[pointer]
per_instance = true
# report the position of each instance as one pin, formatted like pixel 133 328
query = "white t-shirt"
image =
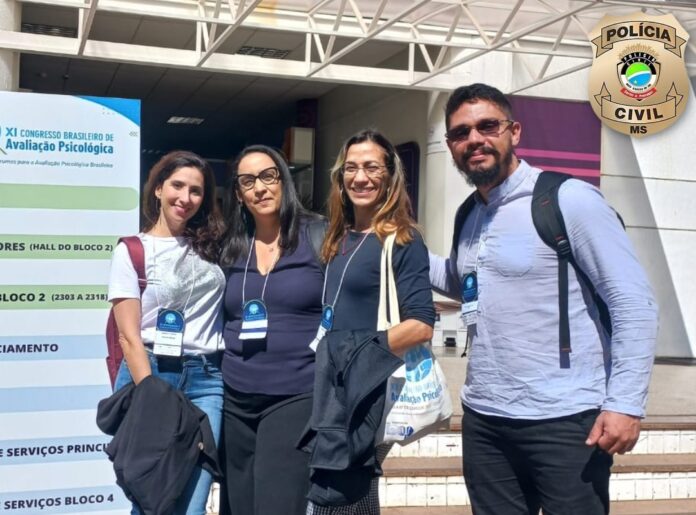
pixel 177 278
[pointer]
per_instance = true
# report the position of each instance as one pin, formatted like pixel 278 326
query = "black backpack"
pixel 548 221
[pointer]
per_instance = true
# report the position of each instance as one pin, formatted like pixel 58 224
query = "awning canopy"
pixel 400 43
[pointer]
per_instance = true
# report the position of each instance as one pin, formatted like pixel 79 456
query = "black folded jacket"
pixel 351 371
pixel 159 437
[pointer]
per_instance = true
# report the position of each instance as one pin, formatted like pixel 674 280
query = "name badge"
pixel 327 318
pixel 469 298
pixel 169 333
pixel 254 320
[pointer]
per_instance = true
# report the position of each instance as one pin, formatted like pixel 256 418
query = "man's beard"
pixel 478 176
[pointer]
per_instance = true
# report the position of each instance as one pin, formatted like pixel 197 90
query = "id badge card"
pixel 327 317
pixel 254 320
pixel 469 298
pixel 169 333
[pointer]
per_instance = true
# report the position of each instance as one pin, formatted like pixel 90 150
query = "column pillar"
pixel 650 181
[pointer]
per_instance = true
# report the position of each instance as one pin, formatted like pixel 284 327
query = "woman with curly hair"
pixel 182 228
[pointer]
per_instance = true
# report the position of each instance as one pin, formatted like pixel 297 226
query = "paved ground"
pixel 672 387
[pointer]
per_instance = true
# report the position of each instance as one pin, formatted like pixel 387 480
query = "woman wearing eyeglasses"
pixel 367 202
pixel 272 308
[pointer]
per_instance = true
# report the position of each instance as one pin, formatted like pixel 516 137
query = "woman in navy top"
pixel 367 202
pixel 272 309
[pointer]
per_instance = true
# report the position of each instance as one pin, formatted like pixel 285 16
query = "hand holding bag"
pixel 418 401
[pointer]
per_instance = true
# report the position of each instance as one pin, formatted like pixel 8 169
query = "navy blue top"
pixel 282 363
pixel 358 300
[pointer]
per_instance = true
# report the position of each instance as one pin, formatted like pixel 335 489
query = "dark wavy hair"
pixel 240 222
pixel 473 93
pixel 206 227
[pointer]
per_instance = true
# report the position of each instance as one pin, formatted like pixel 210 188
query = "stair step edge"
pixel 623 464
pixel 658 507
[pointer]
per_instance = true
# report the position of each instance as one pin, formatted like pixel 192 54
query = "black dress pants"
pixel 264 473
pixel 517 467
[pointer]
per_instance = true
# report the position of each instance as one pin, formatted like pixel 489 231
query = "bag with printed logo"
pixel 417 400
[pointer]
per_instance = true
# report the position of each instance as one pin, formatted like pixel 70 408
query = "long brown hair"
pixel 393 214
pixel 206 227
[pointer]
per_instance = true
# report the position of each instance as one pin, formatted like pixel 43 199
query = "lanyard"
pixel 156 281
pixel 246 270
pixel 343 274
pixel 478 248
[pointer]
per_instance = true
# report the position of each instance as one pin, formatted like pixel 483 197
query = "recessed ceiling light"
pixel 49 30
pixel 269 53
pixel 186 120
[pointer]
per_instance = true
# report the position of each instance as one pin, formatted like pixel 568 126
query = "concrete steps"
pixel 626 464
pixel 661 469
pixel 657 478
pixel 669 507
pixel 676 435
pixel 428 472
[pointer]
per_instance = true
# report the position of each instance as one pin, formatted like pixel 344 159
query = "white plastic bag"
pixel 417 401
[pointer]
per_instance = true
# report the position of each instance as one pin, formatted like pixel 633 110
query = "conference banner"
pixel 69 187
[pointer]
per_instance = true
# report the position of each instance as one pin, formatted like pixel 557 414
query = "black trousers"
pixel 264 473
pixel 516 467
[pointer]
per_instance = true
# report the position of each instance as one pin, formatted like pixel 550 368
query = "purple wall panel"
pixel 559 135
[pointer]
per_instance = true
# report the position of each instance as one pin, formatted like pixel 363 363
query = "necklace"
pixel 271 250
pixel 270 247
pixel 246 270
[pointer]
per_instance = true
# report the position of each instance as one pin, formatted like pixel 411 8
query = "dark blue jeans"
pixel 200 379
pixel 517 467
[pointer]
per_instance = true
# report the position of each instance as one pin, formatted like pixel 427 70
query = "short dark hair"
pixel 472 93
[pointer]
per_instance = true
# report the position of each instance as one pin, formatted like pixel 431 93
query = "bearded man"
pixel 540 424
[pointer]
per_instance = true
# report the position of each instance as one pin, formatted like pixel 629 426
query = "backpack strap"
pixel 316 232
pixel 114 356
pixel 136 251
pixel 463 212
pixel 548 221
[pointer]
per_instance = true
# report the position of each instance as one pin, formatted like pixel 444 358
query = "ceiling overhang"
pixel 438 37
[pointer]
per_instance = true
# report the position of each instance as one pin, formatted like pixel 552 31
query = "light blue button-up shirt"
pixel 513 368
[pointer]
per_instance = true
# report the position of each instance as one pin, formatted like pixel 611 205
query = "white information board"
pixel 69 187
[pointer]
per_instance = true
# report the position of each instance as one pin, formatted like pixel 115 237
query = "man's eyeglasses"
pixel 484 128
pixel 371 169
pixel 269 176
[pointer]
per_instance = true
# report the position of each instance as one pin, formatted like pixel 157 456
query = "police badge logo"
pixel 638 81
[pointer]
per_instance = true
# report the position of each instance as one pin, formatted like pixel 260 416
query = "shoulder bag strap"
pixel 388 312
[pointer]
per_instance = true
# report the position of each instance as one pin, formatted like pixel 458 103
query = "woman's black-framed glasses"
pixel 268 176
pixel 489 127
